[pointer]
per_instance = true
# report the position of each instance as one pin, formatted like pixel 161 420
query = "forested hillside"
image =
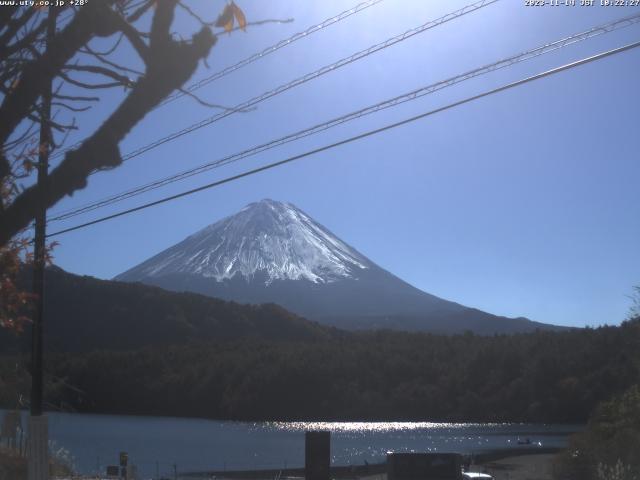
pixel 84 314
pixel 538 377
pixel 130 348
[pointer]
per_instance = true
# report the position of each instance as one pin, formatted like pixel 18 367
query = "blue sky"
pixel 522 204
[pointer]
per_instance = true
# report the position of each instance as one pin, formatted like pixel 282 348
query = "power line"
pixel 255 57
pixel 311 76
pixel 273 48
pixel 529 54
pixel 355 138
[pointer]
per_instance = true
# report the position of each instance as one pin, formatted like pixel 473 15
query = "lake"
pixel 156 444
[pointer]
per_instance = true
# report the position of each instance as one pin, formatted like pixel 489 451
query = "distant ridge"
pixel 274 252
pixel 84 314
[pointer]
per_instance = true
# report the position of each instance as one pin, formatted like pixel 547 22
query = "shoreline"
pixel 515 463
pixel 499 455
pixel 315 420
pixel 534 465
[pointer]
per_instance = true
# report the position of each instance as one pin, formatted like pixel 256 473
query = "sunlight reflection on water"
pixel 380 427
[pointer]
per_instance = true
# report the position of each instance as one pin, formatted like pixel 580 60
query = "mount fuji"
pixel 273 252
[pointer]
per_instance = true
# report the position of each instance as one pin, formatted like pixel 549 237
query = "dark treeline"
pixel 537 377
pixel 85 314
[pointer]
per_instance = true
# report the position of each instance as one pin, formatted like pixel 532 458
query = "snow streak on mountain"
pixel 268 237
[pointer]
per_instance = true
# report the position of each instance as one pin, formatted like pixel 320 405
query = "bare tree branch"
pixel 161 24
pixel 101 58
pixel 69 107
pixel 90 86
pixel 60 127
pixel 196 16
pixel 135 16
pixel 25 136
pixel 76 98
pixel 260 22
pixel 15 25
pixel 204 103
pixel 169 65
pixel 121 79
pixel 133 35
pixel 88 22
pixel 111 49
pixel 6 50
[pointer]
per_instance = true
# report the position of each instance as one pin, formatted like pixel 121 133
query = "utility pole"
pixel 38 446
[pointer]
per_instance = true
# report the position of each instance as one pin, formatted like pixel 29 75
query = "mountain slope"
pixel 274 252
pixel 84 313
pixel 275 240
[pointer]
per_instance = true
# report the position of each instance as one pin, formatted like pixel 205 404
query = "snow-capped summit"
pixel 274 240
pixel 273 252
